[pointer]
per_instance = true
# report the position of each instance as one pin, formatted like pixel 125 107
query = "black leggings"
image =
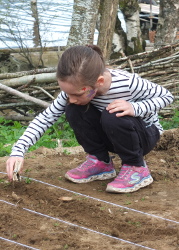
pixel 101 132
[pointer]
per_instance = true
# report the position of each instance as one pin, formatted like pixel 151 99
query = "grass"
pixel 10 131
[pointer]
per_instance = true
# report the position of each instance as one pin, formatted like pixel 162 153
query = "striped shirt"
pixel 146 98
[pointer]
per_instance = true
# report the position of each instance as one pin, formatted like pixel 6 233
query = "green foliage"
pixel 10 131
pixel 170 123
pixel 28 180
pixel 60 130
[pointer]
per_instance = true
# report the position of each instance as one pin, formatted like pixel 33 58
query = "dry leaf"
pixel 16 197
pixel 65 198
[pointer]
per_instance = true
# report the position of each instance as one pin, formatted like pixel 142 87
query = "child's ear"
pixel 100 81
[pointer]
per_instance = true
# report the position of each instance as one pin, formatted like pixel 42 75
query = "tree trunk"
pixel 130 9
pixel 108 11
pixel 119 40
pixel 168 24
pixel 36 29
pixel 83 22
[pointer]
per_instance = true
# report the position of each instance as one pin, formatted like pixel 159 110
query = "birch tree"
pixel 119 40
pixel 83 22
pixel 168 24
pixel 130 9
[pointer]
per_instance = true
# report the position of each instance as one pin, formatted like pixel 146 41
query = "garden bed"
pixel 36 214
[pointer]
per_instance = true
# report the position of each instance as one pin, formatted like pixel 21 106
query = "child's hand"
pixel 124 107
pixel 10 165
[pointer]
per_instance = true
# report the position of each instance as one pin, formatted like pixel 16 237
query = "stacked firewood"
pixel 25 94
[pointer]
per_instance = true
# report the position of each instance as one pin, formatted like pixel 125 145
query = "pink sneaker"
pixel 130 179
pixel 91 170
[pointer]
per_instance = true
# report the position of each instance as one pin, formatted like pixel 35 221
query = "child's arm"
pixel 39 125
pixel 148 97
pixel 35 130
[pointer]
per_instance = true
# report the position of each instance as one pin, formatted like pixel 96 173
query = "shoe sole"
pixel 100 177
pixel 142 184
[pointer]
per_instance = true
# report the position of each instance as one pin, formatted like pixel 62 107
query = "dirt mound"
pixel 49 213
pixel 169 140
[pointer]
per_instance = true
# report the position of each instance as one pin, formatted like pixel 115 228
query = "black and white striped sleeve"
pixel 148 97
pixel 39 125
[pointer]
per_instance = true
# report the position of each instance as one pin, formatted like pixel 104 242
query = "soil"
pixel 49 212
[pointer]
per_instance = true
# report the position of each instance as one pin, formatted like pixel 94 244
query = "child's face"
pixel 78 95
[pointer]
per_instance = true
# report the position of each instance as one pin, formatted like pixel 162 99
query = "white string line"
pixel 17 243
pixel 107 202
pixel 81 227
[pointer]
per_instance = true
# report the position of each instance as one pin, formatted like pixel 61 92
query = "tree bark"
pixel 108 11
pixel 119 40
pixel 168 24
pixel 83 22
pixel 130 9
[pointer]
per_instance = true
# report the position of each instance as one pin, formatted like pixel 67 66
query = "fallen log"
pixel 19 118
pixel 29 79
pixel 25 73
pixel 13 105
pixel 24 96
